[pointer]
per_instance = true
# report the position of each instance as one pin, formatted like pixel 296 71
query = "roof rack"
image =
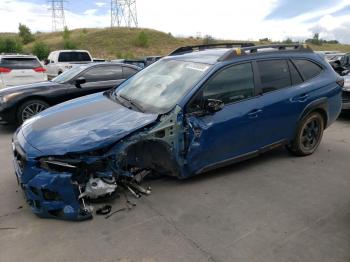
pixel 254 49
pixel 194 48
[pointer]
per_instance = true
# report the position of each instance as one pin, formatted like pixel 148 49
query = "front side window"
pixel 69 74
pixel 274 75
pixel 307 68
pixel 159 87
pixel 231 84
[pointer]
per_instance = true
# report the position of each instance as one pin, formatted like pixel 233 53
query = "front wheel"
pixel 30 109
pixel 308 136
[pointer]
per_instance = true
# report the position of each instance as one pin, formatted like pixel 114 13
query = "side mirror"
pixel 213 105
pixel 46 62
pixel 80 81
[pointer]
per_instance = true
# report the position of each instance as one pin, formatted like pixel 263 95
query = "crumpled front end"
pixel 62 186
pixel 50 194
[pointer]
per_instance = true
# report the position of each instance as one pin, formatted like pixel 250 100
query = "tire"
pixel 308 136
pixel 29 109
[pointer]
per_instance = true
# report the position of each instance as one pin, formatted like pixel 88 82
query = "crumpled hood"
pixel 82 124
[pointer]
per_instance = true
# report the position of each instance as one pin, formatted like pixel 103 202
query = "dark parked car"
pixel 184 115
pixel 341 66
pixel 20 103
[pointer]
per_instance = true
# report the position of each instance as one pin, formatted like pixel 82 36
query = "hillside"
pixel 120 42
pixel 117 42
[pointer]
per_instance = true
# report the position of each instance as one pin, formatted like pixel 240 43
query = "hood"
pixel 83 124
pixel 29 87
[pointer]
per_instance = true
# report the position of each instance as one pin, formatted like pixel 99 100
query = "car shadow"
pixel 344 116
pixel 233 169
pixel 7 129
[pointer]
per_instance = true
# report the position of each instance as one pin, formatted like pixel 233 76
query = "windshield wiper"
pixel 138 107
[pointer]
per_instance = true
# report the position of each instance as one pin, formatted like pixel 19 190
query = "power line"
pixel 58 14
pixel 123 13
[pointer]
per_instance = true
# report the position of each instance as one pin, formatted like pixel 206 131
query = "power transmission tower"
pixel 57 12
pixel 123 13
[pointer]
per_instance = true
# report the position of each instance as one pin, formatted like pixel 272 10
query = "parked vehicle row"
pixel 20 103
pixel 193 111
pixel 20 69
pixel 62 60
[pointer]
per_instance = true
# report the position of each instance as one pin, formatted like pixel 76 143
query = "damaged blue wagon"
pixel 195 110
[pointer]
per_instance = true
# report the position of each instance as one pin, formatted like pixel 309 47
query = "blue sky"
pixel 228 19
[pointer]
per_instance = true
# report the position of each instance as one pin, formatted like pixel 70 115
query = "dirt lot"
pixel 272 208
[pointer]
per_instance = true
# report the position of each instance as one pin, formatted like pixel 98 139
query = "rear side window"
pixel 307 68
pixel 294 74
pixel 274 75
pixel 231 84
pixel 103 73
pixel 20 63
pixel 74 57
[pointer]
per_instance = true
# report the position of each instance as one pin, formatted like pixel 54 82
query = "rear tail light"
pixel 4 70
pixel 39 70
pixel 340 81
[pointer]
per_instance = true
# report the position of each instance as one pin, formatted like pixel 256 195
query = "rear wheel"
pixel 30 109
pixel 309 135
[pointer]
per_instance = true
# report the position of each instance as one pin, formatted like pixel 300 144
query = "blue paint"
pixel 95 128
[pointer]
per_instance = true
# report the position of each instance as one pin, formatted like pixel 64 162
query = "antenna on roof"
pixel 57 13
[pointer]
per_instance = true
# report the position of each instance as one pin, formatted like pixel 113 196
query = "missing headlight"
pixel 57 166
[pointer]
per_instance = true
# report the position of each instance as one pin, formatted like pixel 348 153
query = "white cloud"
pixel 100 4
pixel 227 19
pixel 90 12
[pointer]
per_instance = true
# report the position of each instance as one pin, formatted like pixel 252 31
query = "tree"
pixel 67 42
pixel 11 45
pixel 208 39
pixel 41 50
pixel 288 41
pixel 66 34
pixel 25 34
pixel 142 39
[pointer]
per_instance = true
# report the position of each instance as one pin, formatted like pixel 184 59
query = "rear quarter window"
pixel 307 68
pixel 20 63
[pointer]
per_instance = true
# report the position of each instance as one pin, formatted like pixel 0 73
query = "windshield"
pixel 69 74
pixel 159 87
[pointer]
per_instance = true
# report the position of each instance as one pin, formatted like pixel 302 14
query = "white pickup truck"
pixel 63 60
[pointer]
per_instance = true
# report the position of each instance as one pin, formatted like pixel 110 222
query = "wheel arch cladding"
pixel 320 106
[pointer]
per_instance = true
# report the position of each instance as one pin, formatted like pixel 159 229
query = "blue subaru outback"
pixel 195 110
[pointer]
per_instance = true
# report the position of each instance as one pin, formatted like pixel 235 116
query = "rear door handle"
pixel 254 113
pixel 301 99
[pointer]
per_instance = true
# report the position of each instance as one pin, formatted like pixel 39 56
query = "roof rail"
pixel 193 48
pixel 254 49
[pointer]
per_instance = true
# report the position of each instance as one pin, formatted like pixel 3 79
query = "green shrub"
pixel 41 50
pixel 69 44
pixel 142 40
pixel 11 45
